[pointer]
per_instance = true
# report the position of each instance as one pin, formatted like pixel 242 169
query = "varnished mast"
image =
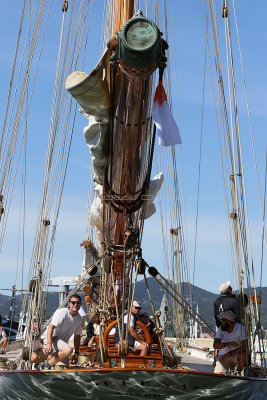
pixel 126 175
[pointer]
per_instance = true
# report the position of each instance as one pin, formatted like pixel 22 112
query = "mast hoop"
pixel 138 76
pixel 119 248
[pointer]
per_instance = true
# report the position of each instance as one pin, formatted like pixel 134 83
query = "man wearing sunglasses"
pixel 65 323
pixel 135 341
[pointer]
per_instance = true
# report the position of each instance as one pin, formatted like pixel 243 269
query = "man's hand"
pixel 75 358
pixel 48 348
pixel 233 344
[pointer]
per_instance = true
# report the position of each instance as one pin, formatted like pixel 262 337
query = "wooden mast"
pixel 131 130
pixel 129 6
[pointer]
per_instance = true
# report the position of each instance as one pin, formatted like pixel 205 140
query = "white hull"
pixel 128 383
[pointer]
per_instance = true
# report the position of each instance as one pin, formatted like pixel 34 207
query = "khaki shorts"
pixel 228 363
pixel 136 346
pixel 57 345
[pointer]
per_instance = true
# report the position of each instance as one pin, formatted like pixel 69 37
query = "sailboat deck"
pixel 195 363
pixel 188 362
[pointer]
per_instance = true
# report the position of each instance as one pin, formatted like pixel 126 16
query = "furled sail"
pixel 92 93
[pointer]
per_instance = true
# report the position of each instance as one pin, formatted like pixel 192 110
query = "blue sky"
pixel 212 263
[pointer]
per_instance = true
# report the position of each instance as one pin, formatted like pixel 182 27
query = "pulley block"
pixel 92 269
pixel 106 262
pixel 153 271
pixel 140 266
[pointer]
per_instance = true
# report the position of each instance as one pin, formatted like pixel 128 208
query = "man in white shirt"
pixel 65 323
pixel 3 339
pixel 231 341
pixel 135 341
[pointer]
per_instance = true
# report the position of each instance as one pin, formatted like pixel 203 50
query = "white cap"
pixel 227 284
pixel 137 304
pixel 224 287
pixel 229 315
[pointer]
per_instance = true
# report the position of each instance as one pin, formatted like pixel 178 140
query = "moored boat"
pixel 116 98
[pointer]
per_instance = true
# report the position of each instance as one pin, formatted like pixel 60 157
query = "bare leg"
pixel 144 350
pixel 4 343
pixel 34 358
pixel 61 356
pixel 215 356
pixel 242 361
pixel 91 341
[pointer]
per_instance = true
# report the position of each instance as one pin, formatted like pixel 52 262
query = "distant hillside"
pixel 5 301
pixel 203 298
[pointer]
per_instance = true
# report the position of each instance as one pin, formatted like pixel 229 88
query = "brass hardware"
pixel 65 6
pixel 224 12
pixel 233 215
pixel 86 289
pixel 174 231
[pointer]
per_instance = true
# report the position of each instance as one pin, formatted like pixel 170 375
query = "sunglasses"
pixel 138 308
pixel 75 302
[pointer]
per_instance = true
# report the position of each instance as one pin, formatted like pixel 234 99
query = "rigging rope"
pixel 249 118
pixel 57 153
pixel 199 163
pixel 241 229
pixel 10 154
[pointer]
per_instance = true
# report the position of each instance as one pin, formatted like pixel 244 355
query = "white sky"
pixel 212 263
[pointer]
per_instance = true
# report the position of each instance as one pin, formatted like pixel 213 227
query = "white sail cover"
pixel 154 186
pixel 92 93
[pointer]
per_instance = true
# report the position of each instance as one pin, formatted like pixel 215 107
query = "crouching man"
pixel 65 323
pixel 231 341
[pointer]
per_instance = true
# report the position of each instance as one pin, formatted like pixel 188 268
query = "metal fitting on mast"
pixel 224 10
pixel 65 5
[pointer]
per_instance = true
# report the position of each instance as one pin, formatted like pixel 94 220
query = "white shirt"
pixel 131 320
pixel 66 325
pixel 237 335
pixel 2 333
pixel 96 329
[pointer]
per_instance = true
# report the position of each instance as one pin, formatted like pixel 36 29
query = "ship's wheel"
pixel 114 323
